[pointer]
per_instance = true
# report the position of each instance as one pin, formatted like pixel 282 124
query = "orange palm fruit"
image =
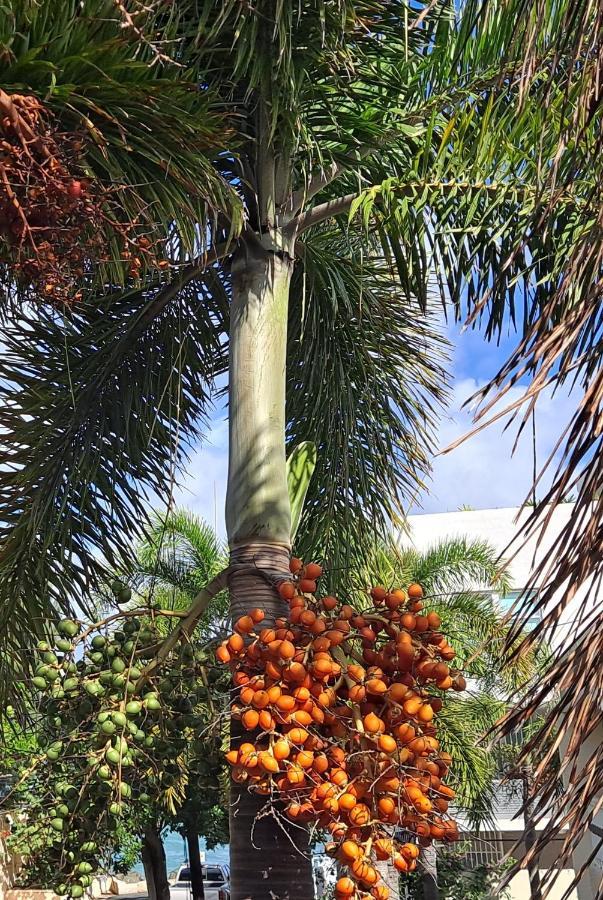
pixel 257 614
pixel 414 591
pixel 329 603
pixel 345 887
pixel 373 724
pixel 351 850
pixel 307 586
pixel 287 590
pixel 360 814
pixel 383 848
pixel 244 625
pixel 265 721
pixel 379 593
pixel 250 719
pixel 347 802
pixel 223 654
pixel 386 806
pixel 387 743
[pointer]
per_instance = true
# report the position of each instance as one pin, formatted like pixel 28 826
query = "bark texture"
pixel 430 873
pixel 194 858
pixel 269 856
pixel 257 502
pixel 155 867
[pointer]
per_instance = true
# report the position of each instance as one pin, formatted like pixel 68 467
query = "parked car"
pixel 216 883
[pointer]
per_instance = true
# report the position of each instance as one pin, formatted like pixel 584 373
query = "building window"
pixel 506 601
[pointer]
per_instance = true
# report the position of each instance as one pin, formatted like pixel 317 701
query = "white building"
pixel 499 527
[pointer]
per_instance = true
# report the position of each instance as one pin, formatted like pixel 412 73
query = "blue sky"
pixel 480 473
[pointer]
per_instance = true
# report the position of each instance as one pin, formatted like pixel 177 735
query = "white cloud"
pixel 482 472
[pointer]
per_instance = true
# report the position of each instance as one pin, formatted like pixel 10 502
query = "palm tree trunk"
pixel 430 873
pixel 155 867
pixel 269 857
pixel 194 859
pixel 530 836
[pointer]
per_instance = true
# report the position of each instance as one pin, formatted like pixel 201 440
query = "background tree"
pixel 436 137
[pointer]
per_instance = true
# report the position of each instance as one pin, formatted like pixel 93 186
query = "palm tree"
pixel 459 576
pixel 319 169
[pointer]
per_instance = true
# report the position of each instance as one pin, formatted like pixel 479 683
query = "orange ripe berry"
pixel 373 724
pixel 244 625
pixel 285 703
pixel 360 815
pixel 409 851
pixel 414 591
pixel 287 590
pixel 425 713
pixel 313 571
pixel 423 804
pixel 295 565
pixel 274 693
pixel 405 733
pixel 386 806
pixel 286 650
pixel 267 762
pixel 321 644
pixel 297 735
pixel 223 654
pixel 257 614
pixel 307 618
pixel 394 599
pixel 266 722
pixel 339 777
pixel 376 686
pixel 421 623
pixel 301 717
pixel 301 694
pixel 397 692
pixel 331 805
pixel 400 863
pixel 357 693
pixel 391 783
pixel 322 667
pixel 350 849
pixel 329 603
pixel 320 764
pixel 307 586
pixel 281 749
pixel 260 699
pixel 347 802
pixel 335 636
pixel 434 620
pixel 379 594
pixel 267 635
pixel 246 694
pixel 232 757
pixel 387 743
pixel 304 759
pixel 346 612
pixel 412 705
pixel 445 684
pixel 296 775
pixel 345 887
pixel 381 892
pixel 408 621
pixel 250 719
pixel 249 760
pixel 383 848
pixel 440 671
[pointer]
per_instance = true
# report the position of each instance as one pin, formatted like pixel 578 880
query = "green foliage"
pixel 118 744
pixel 301 463
pixel 458 882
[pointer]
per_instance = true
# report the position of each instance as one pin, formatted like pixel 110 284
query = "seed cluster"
pixel 341 707
pixel 56 223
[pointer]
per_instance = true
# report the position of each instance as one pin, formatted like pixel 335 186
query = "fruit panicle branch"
pixel 341 709
pixel 56 220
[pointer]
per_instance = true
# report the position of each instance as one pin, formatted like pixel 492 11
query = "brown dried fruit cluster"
pixel 341 707
pixel 54 222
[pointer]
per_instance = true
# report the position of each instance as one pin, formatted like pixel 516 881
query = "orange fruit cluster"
pixel 341 707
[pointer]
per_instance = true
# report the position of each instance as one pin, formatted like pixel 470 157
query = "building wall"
pixel 500 527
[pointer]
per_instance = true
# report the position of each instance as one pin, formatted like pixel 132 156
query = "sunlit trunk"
pixel 155 868
pixel 269 856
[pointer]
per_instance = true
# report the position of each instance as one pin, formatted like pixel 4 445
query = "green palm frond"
pixel 179 555
pixel 462 725
pixel 366 379
pixel 93 404
pixel 147 131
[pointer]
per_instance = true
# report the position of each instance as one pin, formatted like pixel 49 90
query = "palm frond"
pixel 365 383
pixel 99 405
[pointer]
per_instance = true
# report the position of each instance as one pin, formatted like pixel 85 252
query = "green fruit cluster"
pixel 116 738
